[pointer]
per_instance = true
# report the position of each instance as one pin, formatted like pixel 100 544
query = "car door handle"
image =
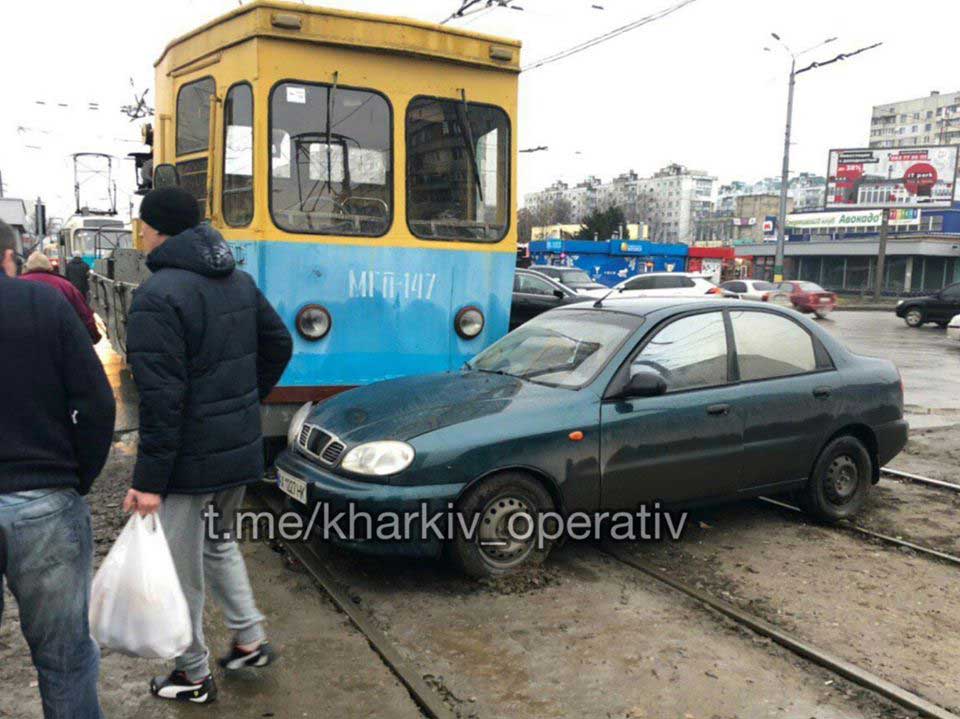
pixel 718 409
pixel 821 392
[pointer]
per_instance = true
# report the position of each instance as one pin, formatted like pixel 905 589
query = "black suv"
pixel 572 277
pixel 535 293
pixel 939 308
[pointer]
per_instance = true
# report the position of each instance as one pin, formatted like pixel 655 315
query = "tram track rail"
pixel 919 479
pixel 797 646
pixel 429 701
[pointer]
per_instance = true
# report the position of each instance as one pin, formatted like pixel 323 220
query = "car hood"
pixel 402 409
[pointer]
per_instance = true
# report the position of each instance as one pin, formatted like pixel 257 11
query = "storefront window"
pixel 895 273
pixel 933 272
pixel 832 278
pixel 858 273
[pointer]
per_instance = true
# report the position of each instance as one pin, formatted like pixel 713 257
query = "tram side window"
pixel 458 170
pixel 193 135
pixel 193 116
pixel 238 156
pixel 331 160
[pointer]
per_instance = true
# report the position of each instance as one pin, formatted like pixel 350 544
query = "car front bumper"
pixel 379 501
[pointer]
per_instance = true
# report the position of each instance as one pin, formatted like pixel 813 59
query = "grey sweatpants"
pixel 200 559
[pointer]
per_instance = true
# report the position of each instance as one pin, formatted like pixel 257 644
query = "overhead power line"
pixel 563 54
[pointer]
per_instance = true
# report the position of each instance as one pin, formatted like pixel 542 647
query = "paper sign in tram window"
pixel 297 95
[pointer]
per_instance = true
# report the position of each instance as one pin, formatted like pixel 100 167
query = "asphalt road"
pixel 928 361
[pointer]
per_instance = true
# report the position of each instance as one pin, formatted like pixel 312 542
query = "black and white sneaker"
pixel 178 687
pixel 259 657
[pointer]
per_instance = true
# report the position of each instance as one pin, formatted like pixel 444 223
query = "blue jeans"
pixel 46 554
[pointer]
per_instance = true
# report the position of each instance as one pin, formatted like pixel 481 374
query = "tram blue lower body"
pixel 392 308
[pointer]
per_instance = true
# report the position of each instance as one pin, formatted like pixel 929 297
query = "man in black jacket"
pixel 55 434
pixel 205 347
pixel 78 272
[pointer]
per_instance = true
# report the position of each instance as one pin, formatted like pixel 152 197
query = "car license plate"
pixel 296 488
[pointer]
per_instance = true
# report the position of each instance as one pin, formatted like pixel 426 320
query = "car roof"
pixel 642 306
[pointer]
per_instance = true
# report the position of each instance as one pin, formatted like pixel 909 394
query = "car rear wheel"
pixel 913 317
pixel 822 313
pixel 781 299
pixel 841 478
pixel 505 505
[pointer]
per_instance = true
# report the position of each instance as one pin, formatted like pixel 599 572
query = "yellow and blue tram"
pixel 363 170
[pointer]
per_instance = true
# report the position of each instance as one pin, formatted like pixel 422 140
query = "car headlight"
pixel 296 424
pixel 899 302
pixel 378 458
pixel 313 322
pixel 469 322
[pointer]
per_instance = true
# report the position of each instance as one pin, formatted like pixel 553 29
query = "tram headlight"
pixel 296 423
pixel 469 322
pixel 313 322
pixel 378 459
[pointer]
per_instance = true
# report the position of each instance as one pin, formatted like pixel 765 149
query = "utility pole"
pixel 881 255
pixel 1 183
pixel 784 178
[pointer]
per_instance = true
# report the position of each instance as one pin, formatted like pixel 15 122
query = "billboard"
pixel 892 177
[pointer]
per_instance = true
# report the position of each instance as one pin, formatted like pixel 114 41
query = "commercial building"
pixel 611 261
pixel 838 250
pixel 930 120
pixel 632 230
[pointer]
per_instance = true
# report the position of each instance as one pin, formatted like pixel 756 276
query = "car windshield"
pixel 810 287
pixel 560 349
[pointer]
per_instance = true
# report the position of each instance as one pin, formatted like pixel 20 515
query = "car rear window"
pixel 764 286
pixel 576 276
pixel 810 287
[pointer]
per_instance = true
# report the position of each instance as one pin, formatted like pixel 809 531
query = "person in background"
pixel 39 269
pixel 78 272
pixel 56 432
pixel 205 348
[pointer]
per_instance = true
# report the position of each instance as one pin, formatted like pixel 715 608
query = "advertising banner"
pixel 892 177
pixel 857 219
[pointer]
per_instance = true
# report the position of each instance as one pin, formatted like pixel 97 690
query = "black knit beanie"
pixel 170 210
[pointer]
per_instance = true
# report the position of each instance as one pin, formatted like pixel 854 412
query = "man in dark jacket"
pixel 78 272
pixel 55 433
pixel 205 347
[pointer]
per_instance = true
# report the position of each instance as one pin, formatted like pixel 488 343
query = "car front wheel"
pixel 841 477
pixel 505 511
pixel 913 317
pixel 781 299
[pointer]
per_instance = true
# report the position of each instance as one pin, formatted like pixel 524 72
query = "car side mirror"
pixel 646 382
pixel 558 294
pixel 166 175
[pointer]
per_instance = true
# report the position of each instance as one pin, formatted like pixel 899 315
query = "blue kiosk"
pixel 610 261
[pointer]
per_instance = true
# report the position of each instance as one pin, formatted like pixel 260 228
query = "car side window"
pixel 534 286
pixel 689 352
pixel 734 286
pixel 770 346
pixel 952 292
pixel 640 283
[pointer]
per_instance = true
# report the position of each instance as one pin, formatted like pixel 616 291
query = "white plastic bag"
pixel 137 606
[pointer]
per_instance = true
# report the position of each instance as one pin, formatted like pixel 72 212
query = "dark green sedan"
pixel 591 410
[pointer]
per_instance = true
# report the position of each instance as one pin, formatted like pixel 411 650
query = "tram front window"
pixel 100 243
pixel 331 160
pixel 458 170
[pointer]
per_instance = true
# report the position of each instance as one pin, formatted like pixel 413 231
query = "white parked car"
pixel 953 329
pixel 661 284
pixel 750 289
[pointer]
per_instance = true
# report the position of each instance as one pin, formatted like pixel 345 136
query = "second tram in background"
pixel 362 169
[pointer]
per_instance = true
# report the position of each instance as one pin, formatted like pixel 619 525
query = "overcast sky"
pixel 695 88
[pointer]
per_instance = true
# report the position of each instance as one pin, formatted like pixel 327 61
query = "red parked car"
pixel 804 297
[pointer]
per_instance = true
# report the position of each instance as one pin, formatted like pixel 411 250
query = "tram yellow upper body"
pixel 265 43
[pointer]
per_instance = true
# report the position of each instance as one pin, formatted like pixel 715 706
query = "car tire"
pixel 821 314
pixel 781 299
pixel 942 325
pixel 913 317
pixel 841 478
pixel 495 500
